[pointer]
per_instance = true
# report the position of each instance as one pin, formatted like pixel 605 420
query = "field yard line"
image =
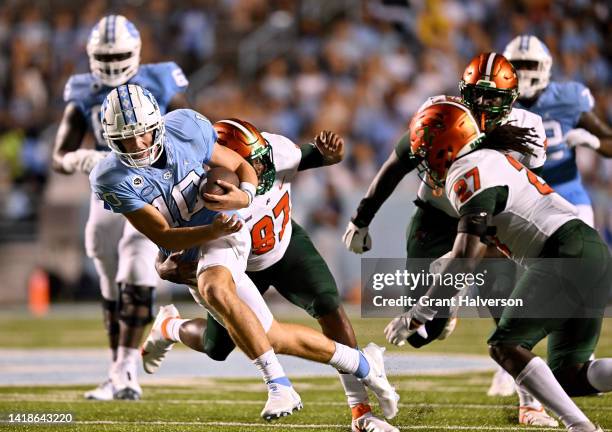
pixel 315 403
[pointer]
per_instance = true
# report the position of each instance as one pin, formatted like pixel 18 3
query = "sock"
pixel 599 374
pixel 356 394
pixel 350 360
pixel 526 400
pixel 128 355
pixel 271 369
pixel 539 380
pixel 170 329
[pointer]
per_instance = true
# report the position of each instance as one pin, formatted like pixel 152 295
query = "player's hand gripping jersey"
pixel 268 218
pixel 532 211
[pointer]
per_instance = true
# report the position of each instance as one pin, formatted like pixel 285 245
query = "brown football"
pixel 219 173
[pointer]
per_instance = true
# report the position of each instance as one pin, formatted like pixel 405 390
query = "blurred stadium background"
pixel 359 68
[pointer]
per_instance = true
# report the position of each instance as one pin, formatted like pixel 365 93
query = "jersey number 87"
pixel 262 233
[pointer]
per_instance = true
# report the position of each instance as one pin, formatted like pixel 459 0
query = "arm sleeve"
pixel 311 157
pixel 73 93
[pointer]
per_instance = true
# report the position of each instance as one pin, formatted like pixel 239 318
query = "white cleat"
pixel 125 381
pixel 104 392
pixel 377 380
pixel 536 417
pixel 282 402
pixel 370 423
pixel 502 384
pixel 157 345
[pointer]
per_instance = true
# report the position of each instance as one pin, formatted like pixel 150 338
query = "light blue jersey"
pixel 560 105
pixel 163 80
pixel 172 188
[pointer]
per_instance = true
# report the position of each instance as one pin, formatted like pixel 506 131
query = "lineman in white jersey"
pixel 565 300
pixel 281 249
pixel 489 86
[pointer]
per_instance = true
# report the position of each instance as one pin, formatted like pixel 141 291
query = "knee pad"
pixel 574 380
pixel 111 322
pixel 135 305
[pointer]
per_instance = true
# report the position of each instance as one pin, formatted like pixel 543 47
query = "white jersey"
pixel 268 218
pixel 517 117
pixel 534 211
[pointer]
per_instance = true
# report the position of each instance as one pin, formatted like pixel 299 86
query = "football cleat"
pixel 370 423
pixel 282 402
pixel 157 345
pixel 536 417
pixel 104 392
pixel 125 381
pixel 502 384
pixel 376 380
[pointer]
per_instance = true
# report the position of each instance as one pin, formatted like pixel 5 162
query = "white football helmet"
pixel 532 61
pixel 129 111
pixel 114 50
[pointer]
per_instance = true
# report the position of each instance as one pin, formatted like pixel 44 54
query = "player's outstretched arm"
pixel 598 134
pixel 235 198
pixel 70 133
pixel 149 221
pixel 327 148
pixel 356 238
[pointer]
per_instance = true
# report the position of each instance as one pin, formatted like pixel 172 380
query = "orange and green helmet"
pixel 244 138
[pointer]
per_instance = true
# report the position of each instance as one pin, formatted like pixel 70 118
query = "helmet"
pixel 128 111
pixel 532 62
pixel 489 87
pixel 244 138
pixel 113 48
pixel 441 133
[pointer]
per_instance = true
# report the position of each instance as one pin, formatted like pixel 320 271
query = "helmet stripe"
pixel 489 68
pixel 125 103
pixel 113 19
pixel 106 26
pixel 244 130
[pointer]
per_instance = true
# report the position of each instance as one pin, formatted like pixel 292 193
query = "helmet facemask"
pixel 489 105
pixel 262 161
pixel 114 50
pixel 130 111
pixel 532 77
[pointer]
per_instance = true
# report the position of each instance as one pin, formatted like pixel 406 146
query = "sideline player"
pixel 122 256
pixel 281 249
pixel 489 86
pixel 154 177
pixel 492 190
pixel 567 111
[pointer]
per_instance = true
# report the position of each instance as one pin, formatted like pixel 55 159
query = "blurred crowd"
pixel 360 68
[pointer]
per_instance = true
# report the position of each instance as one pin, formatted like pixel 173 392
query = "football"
pixel 219 173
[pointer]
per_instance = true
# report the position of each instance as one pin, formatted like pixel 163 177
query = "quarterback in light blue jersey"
pixel 566 111
pixel 154 177
pixel 116 248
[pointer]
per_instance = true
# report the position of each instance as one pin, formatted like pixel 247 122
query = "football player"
pixel 493 192
pixel 489 87
pixel 280 250
pixel 567 111
pixel 153 177
pixel 123 257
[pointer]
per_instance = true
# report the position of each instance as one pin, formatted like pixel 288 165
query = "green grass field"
pixel 430 403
